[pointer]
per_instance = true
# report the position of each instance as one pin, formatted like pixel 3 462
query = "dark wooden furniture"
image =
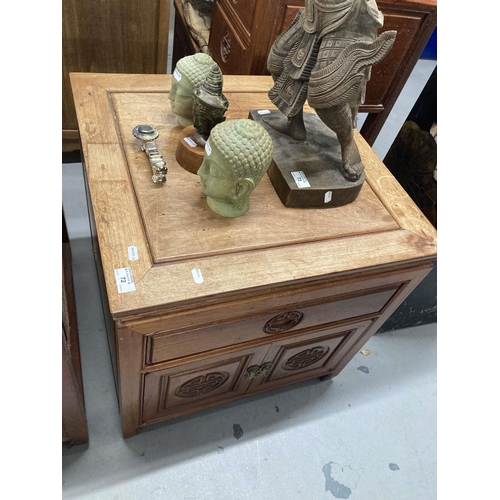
pixel 74 422
pixel 243 32
pixel 183 43
pixel 412 160
pixel 110 36
pixel 285 294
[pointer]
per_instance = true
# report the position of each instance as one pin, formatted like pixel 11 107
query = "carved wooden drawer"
pixel 296 318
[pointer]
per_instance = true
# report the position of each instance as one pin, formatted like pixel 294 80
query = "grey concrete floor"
pixel 370 433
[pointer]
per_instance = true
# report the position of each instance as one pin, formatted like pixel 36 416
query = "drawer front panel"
pixel 228 51
pixel 295 319
pixel 243 11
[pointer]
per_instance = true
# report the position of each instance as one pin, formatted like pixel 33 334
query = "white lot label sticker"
pixel 177 75
pixel 301 179
pixel 124 280
pixel 190 141
pixel 132 253
pixel 328 196
pixel 208 149
pixel 198 278
pixel 264 112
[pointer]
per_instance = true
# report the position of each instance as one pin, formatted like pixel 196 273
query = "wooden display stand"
pixel 218 309
pixel 189 153
pixel 308 173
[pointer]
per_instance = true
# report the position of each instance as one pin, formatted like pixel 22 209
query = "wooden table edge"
pixel 88 87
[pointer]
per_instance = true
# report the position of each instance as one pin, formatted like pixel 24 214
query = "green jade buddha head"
pixel 189 73
pixel 237 155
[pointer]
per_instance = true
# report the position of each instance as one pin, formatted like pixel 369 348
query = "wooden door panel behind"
pixel 228 50
pixel 385 72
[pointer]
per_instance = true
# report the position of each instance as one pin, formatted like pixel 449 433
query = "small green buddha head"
pixel 237 155
pixel 189 73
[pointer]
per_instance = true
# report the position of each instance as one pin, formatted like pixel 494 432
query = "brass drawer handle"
pixel 283 322
pixel 258 371
pixel 147 134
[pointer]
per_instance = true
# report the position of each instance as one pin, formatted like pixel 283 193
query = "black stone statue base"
pixel 308 173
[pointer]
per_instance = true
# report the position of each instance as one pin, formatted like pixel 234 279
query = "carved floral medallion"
pixel 305 358
pixel 201 385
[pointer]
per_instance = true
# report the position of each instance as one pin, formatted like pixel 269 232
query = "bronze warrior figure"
pixel 325 56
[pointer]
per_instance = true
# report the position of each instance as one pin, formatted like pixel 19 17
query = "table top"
pixel 174 232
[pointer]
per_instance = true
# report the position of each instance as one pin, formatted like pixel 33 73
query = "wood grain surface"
pixel 176 232
pixel 111 36
pixel 179 207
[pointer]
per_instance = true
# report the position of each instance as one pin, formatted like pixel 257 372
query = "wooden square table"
pixel 219 308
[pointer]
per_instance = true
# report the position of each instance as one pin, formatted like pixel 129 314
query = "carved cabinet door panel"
pixel 307 356
pixel 193 386
pixel 227 47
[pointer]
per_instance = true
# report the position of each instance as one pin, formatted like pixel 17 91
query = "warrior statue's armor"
pixel 325 56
